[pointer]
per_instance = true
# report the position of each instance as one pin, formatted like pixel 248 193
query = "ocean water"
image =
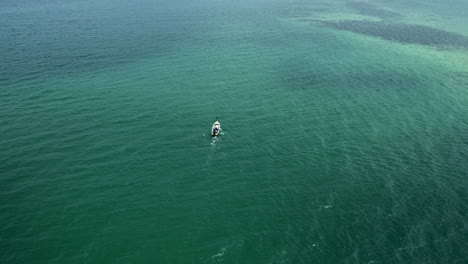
pixel 345 131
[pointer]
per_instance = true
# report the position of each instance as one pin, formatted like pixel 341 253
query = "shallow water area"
pixel 338 146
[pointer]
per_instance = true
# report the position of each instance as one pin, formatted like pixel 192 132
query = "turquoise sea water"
pixel 345 131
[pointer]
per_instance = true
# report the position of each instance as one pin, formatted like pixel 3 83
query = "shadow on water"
pixel 403 33
pixel 369 9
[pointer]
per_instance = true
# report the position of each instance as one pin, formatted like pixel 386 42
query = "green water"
pixel 342 142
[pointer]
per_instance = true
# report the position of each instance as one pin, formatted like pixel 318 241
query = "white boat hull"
pixel 215 129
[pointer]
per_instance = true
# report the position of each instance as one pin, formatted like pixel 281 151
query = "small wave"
pixel 220 253
pixel 213 140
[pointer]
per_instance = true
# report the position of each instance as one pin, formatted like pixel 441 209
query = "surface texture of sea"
pixel 345 131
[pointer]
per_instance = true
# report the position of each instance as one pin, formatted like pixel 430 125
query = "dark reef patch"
pixel 368 9
pixel 376 80
pixel 319 9
pixel 312 20
pixel 298 10
pixel 403 33
pixel 460 78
